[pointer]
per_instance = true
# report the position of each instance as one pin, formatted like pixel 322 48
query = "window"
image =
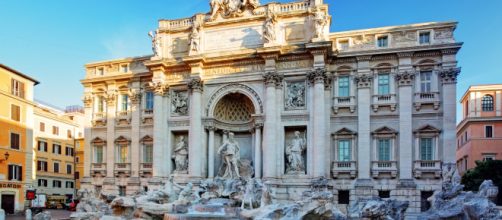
pixel 383 84
pixel 384 194
pixel 426 149
pixel 424 202
pixel 56 167
pixel 69 151
pixel 343 197
pixel 56 149
pixel 98 154
pixel 69 184
pixel 122 153
pixel 487 103
pixel 487 157
pixel 77 159
pixel 425 81
pixel 344 150
pixel 15 141
pixel 42 182
pixel 124 102
pixel 425 37
pixel 384 150
pixel 42 127
pixel 383 41
pixel 68 169
pixel 149 101
pixel 17 88
pixel 69 134
pixel 15 113
pixel 100 72
pixel 122 191
pixel 101 104
pixel 42 146
pixel 488 131
pixel 77 175
pixel 343 86
pixel 42 166
pixel 344 44
pixel 124 68
pixel 55 130
pixel 148 153
pixel 15 172
pixel 56 184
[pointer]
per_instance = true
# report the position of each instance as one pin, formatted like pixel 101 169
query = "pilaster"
pixel 159 125
pixel 87 134
pixel 449 81
pixel 111 99
pixel 405 81
pixel 195 149
pixel 135 97
pixel 270 126
pixel 317 79
pixel 363 81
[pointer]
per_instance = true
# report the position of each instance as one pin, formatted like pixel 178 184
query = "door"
pixel 8 204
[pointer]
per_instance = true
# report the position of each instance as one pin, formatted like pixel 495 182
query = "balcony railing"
pixel 122 168
pixel 381 168
pixel 339 168
pixel 98 169
pixel 148 111
pixel 123 114
pixel 145 169
pixel 384 100
pixel 422 98
pixel 344 102
pixel 99 115
pixel 422 167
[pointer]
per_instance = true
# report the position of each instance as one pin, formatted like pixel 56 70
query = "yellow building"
pixel 16 138
pixel 79 161
pixel 56 132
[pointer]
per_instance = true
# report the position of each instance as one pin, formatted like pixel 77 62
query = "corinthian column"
pixel 135 96
pixel 270 128
pixel 449 81
pixel 111 98
pixel 196 157
pixel 317 79
pixel 405 81
pixel 159 125
pixel 363 125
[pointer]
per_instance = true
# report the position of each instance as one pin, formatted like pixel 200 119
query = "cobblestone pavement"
pixel 57 214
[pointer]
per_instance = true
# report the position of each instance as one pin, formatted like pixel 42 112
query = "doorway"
pixel 8 202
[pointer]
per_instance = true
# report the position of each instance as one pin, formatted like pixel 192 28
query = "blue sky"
pixel 52 40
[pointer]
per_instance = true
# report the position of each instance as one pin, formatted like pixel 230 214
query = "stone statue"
pixel 230 8
pixel 296 96
pixel 269 35
pixel 320 21
pixel 294 153
pixel 249 194
pixel 181 155
pixel 230 152
pixel 195 39
pixel 156 43
pixel 180 103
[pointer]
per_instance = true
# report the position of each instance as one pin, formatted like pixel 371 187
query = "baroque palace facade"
pixel 371 110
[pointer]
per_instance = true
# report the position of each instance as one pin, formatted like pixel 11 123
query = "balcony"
pixel 339 169
pixel 344 102
pixel 99 119
pixel 122 169
pixel 424 168
pixel 123 118
pixel 146 169
pixel 98 169
pixel 427 98
pixel 147 116
pixel 384 100
pixel 382 169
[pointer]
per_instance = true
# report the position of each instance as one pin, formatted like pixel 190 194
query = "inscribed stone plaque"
pixel 295 32
pixel 236 38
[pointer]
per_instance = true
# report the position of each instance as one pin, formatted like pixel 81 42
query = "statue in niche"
pixel 294 153
pixel 181 155
pixel 269 35
pixel 195 39
pixel 156 42
pixel 295 96
pixel 230 152
pixel 320 21
pixel 180 103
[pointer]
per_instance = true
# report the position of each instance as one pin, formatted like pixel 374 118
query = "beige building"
pixel 56 134
pixel 371 110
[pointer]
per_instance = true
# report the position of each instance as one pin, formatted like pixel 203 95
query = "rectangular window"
pixel 42 166
pixel 489 131
pixel 149 101
pixel 17 88
pixel 55 130
pixel 77 159
pixel 69 151
pixel 426 149
pixel 69 134
pixel 15 172
pixel 383 41
pixel 122 191
pixel 487 157
pixel 147 153
pixel 344 150
pixel 56 184
pixel 100 72
pixel 384 150
pixel 15 113
pixel 424 202
pixel 77 175
pixel 344 44
pixel 122 153
pixel 15 141
pixel 101 105
pixel 68 169
pixel 98 154
pixel 124 68
pixel 56 167
pixel 343 86
pixel 343 197
pixel 42 182
pixel 383 84
pixel 124 102
pixel 425 37
pixel 42 127
pixel 56 149
pixel 69 184
pixel 425 81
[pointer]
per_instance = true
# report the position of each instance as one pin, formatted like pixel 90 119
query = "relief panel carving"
pixel 179 103
pixel 295 97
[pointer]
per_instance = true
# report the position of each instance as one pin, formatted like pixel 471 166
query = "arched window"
pixel 487 103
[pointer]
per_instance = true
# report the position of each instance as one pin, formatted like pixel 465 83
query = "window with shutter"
pixel 15 113
pixel 14 141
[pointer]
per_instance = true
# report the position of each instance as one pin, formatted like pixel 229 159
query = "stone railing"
pixel 382 168
pixel 175 24
pixel 148 112
pixel 123 114
pixel 344 102
pixel 384 100
pixel 294 6
pixel 422 98
pixel 99 115
pixel 339 168
pixel 145 169
pixel 423 167
pixel 98 169
pixel 122 168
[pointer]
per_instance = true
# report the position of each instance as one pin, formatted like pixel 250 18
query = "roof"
pixel 19 73
pixel 481 87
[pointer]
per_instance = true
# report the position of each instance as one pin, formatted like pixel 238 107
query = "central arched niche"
pixel 234 108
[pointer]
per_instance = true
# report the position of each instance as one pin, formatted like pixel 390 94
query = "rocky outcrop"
pixel 379 209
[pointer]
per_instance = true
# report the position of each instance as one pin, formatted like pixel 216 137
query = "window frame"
pixel 487 105
pixel 389 155
pixel 42 127
pixel 346 85
pixel 15 172
pixel 54 167
pixel 432 148
pixel 11 141
pixel 382 85
pixel 385 44
pixel 348 150
pixel 420 42
pixel 149 100
pixel 15 115
pixel 18 88
pixel 492 131
pixel 426 82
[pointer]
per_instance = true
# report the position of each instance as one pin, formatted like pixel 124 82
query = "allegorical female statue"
pixel 294 153
pixel 230 152
pixel 181 155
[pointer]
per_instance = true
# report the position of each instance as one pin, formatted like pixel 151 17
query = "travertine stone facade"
pixel 375 107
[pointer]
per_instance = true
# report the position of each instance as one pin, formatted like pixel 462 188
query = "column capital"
pixel 111 96
pixel 272 78
pixel 87 99
pixel 159 88
pixel 363 81
pixel 195 84
pixel 317 75
pixel 405 78
pixel 135 96
pixel 210 128
pixel 449 76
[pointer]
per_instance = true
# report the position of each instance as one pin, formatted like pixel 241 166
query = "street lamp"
pixel 6 155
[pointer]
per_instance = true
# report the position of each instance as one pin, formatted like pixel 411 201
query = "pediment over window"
pixel 122 140
pixel 344 132
pixel 146 139
pixel 98 141
pixel 427 129
pixel 384 131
